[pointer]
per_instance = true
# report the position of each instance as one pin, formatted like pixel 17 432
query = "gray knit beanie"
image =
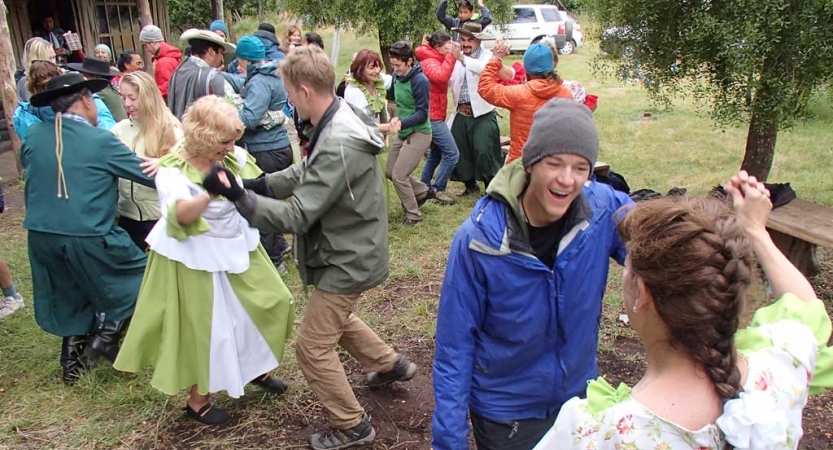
pixel 562 126
pixel 151 33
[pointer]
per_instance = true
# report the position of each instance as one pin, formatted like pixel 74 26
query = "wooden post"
pixel 9 88
pixel 217 9
pixel 145 18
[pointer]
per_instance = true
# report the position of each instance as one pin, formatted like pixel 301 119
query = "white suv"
pixel 533 22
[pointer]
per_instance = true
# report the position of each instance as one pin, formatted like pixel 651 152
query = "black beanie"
pixel 267 27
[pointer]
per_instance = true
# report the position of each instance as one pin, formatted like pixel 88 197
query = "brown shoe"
pixel 443 199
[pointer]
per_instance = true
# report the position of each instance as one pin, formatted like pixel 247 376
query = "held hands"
pixel 750 200
pixel 220 181
pixel 395 125
pixel 457 51
pixel 501 49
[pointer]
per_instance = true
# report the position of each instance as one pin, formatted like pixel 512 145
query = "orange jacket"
pixel 521 100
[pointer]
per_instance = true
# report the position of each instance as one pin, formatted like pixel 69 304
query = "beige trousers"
pixel 329 320
pixel 404 157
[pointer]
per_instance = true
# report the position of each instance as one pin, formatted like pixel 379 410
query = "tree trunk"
pixel 260 11
pixel 760 145
pixel 384 49
pixel 232 35
pixel 217 9
pixel 145 19
pixel 9 88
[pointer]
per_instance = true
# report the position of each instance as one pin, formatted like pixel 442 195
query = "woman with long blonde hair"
pixel 151 131
pixel 36 49
pixel 213 314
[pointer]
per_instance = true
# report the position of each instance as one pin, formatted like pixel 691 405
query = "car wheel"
pixel 568 48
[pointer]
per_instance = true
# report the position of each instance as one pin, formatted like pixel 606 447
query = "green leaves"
pixel 738 56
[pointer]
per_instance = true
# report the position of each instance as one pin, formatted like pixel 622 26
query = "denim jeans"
pixel 443 153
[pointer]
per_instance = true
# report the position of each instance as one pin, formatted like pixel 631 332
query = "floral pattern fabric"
pixel 782 346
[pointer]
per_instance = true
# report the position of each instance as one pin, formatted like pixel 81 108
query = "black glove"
pixel 213 184
pixel 258 185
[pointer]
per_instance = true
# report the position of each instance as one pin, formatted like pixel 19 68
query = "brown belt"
pixel 465 109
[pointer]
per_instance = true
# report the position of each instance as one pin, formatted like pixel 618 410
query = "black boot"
pixel 106 336
pixel 72 348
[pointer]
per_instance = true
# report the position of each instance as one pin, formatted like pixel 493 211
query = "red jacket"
pixel 437 67
pixel 166 60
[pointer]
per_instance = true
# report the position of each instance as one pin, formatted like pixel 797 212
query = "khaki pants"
pixel 404 157
pixel 329 320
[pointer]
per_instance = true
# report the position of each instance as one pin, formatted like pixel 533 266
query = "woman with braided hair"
pixel 709 384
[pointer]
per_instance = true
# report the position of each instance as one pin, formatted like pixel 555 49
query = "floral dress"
pixel 212 309
pixel 785 347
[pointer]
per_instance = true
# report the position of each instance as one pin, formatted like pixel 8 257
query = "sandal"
pixel 270 384
pixel 208 414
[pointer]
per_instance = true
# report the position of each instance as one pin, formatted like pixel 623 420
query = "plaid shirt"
pixel 464 91
pixel 76 117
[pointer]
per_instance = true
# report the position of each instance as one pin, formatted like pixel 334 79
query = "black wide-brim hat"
pixel 94 66
pixel 64 85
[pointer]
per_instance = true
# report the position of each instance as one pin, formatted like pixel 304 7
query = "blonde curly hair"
pixel 209 122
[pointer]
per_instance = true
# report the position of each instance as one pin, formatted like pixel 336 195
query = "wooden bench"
pixel 798 228
pixel 601 168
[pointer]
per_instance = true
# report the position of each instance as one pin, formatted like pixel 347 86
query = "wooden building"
pixel 116 23
pixel 111 22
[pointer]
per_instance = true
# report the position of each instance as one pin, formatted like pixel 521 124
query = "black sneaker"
pixel 471 191
pixel 403 370
pixel 429 194
pixel 361 434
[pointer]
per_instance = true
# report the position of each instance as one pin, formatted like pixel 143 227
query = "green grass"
pixel 678 147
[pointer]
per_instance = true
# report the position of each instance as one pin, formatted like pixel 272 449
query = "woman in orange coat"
pixel 522 100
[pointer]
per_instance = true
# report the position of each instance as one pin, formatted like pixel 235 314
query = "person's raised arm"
pixel 485 15
pixel 751 203
pixel 445 19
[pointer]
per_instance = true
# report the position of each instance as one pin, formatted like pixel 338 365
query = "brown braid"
pixel 695 260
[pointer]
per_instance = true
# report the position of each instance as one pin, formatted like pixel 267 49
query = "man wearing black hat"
pixel 86 271
pixel 93 68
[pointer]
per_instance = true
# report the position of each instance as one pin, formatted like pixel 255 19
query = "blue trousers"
pixel 443 153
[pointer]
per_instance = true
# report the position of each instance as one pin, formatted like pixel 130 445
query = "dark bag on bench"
pixel 780 193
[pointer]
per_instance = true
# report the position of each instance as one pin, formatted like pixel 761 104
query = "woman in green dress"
pixel 213 314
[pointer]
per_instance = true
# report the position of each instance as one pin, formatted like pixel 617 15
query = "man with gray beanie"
pixel 521 302
pixel 165 59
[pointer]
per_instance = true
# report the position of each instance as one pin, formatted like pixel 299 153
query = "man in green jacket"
pixel 334 201
pixel 86 271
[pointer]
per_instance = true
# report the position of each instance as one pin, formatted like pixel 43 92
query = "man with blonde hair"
pixel 334 201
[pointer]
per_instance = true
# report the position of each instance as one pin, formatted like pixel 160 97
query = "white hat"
pixel 206 35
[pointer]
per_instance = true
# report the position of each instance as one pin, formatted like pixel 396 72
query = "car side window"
pixel 550 15
pixel 524 15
